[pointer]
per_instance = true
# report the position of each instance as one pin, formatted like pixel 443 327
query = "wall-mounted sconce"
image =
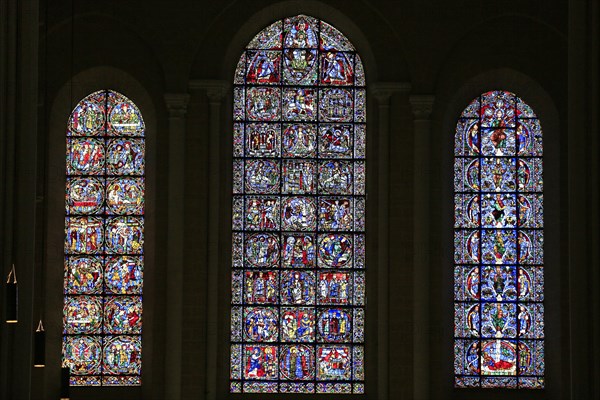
pixel 39 349
pixel 12 295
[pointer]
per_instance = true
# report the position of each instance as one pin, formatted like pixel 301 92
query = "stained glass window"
pixel 104 242
pixel 498 245
pixel 298 268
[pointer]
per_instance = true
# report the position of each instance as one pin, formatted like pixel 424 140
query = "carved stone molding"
pixel 177 103
pixel 422 105
pixel 216 90
pixel 382 91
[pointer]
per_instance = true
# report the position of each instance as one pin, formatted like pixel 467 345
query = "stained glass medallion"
pixel 298 282
pixel 104 242
pixel 498 245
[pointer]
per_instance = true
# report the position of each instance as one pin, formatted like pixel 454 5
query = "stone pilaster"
pixel 422 106
pixel 216 91
pixel 177 107
pixel 383 91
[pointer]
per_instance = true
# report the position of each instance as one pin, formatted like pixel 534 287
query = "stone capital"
pixel 216 90
pixel 382 91
pixel 177 103
pixel 422 105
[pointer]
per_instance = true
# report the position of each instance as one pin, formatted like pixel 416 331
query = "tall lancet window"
pixel 498 245
pixel 104 242
pixel 298 265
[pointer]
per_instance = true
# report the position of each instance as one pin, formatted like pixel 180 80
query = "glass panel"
pixel 298 212
pixel 336 105
pixel 297 362
pixel 300 67
pixel 83 275
pixel 337 68
pixel 299 104
pixel 85 156
pixel 124 118
pixel 297 324
pixel 332 39
pixel 359 72
pixel 299 140
pixel 82 354
pixel 104 240
pixel 268 39
pixel 498 245
pixel 300 32
pixel 89 116
pixel 264 67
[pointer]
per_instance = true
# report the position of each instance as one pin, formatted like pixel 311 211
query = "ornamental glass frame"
pixel 298 221
pixel 498 245
pixel 104 242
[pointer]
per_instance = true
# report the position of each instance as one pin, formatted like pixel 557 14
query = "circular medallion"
pixel 262 250
pixel 84 195
pixel 335 250
pixel 299 214
pixel 262 176
pixel 334 325
pixel 297 362
pixel 260 324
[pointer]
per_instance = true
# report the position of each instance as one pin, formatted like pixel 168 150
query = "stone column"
pixel 594 99
pixel 216 91
pixel 421 106
pixel 177 107
pixel 383 92
pixel 19 51
pixel 583 198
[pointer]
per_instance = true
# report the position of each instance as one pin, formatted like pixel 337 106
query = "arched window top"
pixel 498 245
pixel 106 113
pixel 479 130
pixel 104 242
pixel 298 265
pixel 498 108
pixel 294 47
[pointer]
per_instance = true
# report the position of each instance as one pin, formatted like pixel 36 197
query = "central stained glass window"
pixel 298 267
pixel 498 245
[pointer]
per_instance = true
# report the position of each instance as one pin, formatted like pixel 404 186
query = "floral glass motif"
pixel 498 245
pixel 104 242
pixel 298 249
